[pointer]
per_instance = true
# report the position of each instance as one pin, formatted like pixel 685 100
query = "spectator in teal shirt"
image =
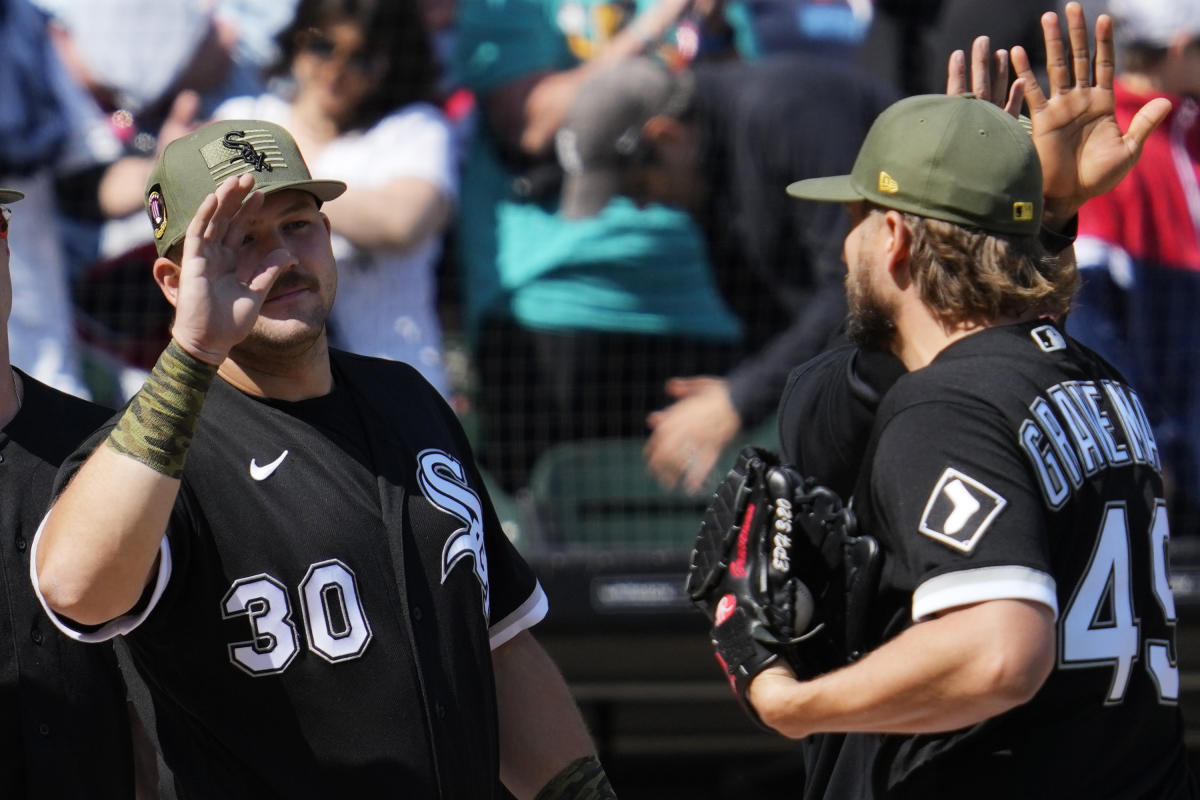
pixel 576 324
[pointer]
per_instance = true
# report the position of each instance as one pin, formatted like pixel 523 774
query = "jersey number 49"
pixel 1101 626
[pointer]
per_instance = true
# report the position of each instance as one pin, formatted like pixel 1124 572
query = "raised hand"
pixel 1082 149
pixel 220 291
pixel 989 76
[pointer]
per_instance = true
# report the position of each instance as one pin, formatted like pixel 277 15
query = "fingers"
pixel 1024 71
pixel 663 460
pixel 1057 68
pixel 200 220
pixel 1148 117
pixel 268 271
pixel 989 71
pixel 1081 60
pixel 1016 95
pixel 679 387
pixel 699 467
pixel 243 215
pixel 999 75
pixel 956 73
pixel 981 71
pixel 1105 60
pixel 230 195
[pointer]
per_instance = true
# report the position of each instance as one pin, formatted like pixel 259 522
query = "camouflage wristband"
pixel 157 426
pixel 582 779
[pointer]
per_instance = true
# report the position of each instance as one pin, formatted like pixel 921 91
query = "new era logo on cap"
pixel 954 158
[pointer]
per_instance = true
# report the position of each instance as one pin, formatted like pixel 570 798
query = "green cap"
pixel 10 195
pixel 950 157
pixel 192 167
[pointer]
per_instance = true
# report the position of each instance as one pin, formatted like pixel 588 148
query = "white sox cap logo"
pixel 959 510
pixel 444 482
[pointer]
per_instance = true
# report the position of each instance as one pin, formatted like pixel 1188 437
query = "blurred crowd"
pixel 568 214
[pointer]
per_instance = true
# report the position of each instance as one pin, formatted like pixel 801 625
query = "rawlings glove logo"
pixel 780 558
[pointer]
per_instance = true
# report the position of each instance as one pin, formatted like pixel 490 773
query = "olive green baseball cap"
pixel 193 166
pixel 950 157
pixel 10 195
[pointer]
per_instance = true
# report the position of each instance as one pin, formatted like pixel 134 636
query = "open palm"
pixel 1079 143
pixel 219 295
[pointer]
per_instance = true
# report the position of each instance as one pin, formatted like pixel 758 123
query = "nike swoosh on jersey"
pixel 265 471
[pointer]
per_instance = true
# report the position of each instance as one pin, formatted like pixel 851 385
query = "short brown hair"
pixel 965 275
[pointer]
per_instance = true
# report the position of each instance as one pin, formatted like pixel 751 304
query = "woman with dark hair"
pixel 357 96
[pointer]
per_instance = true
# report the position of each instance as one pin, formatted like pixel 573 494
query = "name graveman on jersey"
pixel 1022 632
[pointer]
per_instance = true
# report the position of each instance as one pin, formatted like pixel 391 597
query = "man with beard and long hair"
pixel 1023 625
pixel 321 599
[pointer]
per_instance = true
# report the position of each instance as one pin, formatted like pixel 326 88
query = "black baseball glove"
pixel 781 571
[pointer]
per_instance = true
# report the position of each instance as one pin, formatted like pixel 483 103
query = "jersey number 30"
pixel 334 620
pixel 1100 626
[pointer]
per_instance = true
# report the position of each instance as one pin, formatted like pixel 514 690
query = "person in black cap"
pixel 718 141
pixel 60 698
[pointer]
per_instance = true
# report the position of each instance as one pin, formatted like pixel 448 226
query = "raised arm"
pixel 1082 149
pixel 525 113
pixel 100 542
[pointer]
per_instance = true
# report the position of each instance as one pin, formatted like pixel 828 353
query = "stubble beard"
pixel 276 339
pixel 871 323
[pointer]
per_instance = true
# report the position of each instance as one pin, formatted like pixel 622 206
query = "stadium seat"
pixel 597 493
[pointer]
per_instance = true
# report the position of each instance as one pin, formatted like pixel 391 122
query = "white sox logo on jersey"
pixel 959 510
pixel 444 482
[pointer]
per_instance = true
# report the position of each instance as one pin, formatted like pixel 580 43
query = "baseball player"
pixel 1024 621
pixel 59 696
pixel 294 540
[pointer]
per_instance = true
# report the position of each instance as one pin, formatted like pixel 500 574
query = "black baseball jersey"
pixel 64 727
pixel 330 588
pixel 827 411
pixel 1021 465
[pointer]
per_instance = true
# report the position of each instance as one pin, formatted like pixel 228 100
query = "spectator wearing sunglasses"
pixel 358 83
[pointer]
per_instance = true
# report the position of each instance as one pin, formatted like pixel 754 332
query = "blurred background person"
pixel 359 100
pixel 139 73
pixel 35 128
pixel 142 94
pixel 575 325
pixel 718 142
pixel 909 41
pixel 1139 245
pixel 831 28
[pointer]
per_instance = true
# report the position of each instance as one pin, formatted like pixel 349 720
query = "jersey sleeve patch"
pixel 525 616
pixel 964 587
pixel 112 628
pixel 959 511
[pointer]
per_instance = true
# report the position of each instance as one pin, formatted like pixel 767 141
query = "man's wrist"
pixel 1059 213
pixel 208 357
pixel 1056 238
pixel 157 427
